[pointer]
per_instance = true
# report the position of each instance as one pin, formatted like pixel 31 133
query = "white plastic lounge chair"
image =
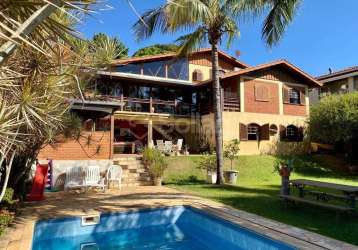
pixel 168 147
pixel 93 178
pixel 114 174
pixel 74 178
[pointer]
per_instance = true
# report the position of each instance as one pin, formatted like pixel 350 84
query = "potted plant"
pixel 156 164
pixel 208 163
pixel 231 152
pixel 284 168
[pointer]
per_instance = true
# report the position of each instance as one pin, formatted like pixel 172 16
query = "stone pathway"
pixel 61 204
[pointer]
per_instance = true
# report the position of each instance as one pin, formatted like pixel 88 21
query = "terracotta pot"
pixel 285 172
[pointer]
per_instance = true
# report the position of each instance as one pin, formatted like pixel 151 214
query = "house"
pixel 140 100
pixel 338 82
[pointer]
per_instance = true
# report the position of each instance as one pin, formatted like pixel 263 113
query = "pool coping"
pixel 296 237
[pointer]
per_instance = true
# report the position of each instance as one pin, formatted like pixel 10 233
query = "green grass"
pixel 258 187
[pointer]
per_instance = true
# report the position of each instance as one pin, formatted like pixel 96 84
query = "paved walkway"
pixel 61 204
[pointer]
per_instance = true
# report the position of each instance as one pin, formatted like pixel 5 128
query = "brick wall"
pixel 294 109
pixel 268 107
pixel 98 148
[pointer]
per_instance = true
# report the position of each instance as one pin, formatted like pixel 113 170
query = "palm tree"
pixel 20 19
pixel 212 22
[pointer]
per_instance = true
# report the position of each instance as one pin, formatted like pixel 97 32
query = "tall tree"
pixel 156 49
pixel 213 21
pixel 100 38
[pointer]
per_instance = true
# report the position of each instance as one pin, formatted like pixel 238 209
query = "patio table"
pixel 350 193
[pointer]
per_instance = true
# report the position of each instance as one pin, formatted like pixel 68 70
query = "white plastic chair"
pixel 93 178
pixel 74 178
pixel 160 145
pixel 114 174
pixel 168 146
pixel 179 145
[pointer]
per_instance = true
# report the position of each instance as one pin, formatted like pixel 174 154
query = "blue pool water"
pixel 177 227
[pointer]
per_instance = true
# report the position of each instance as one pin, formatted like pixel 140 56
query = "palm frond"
pixel 281 14
pixel 190 42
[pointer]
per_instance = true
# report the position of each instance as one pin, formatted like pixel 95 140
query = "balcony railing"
pixel 232 104
pixel 149 105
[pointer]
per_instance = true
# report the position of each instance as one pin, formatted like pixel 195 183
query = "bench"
pixel 316 203
pixel 327 196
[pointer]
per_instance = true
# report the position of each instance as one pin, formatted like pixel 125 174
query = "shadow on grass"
pixel 265 202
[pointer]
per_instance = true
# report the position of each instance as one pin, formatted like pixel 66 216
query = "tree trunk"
pixel 217 114
pixel 7 174
pixel 27 27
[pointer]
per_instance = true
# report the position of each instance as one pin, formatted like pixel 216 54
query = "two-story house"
pixel 141 100
pixel 338 82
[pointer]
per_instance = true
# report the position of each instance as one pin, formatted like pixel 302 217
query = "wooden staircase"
pixel 134 171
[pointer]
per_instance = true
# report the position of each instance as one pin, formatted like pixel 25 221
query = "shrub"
pixel 155 161
pixel 8 197
pixel 335 119
pixel 208 163
pixel 231 150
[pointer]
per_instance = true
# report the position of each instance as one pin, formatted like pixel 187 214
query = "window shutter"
pixel 286 94
pixel 265 132
pixel 243 132
pixel 302 97
pixel 261 92
pixel 282 133
pixel 197 75
pixel 301 134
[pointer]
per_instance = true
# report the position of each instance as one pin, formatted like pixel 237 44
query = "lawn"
pixel 258 187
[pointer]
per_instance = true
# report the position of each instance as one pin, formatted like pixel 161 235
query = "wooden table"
pixel 350 193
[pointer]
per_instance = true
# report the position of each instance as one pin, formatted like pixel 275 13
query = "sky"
pixel 323 34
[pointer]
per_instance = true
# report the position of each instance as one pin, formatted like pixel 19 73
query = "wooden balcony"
pixel 231 105
pixel 148 105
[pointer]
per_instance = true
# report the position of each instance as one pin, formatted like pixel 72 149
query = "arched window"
pixel 253 132
pixel 292 133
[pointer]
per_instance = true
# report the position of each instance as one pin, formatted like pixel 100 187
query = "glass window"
pixel 253 132
pixel 130 91
pixel 144 92
pixel 116 90
pixel 178 69
pixel 292 133
pixel 294 95
pixel 130 68
pixel 154 69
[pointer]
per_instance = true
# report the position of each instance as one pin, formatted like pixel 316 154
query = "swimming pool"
pixel 178 227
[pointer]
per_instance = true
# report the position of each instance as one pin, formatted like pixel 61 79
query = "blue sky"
pixel 324 34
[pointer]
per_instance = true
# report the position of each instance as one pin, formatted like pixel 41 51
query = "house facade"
pixel 138 101
pixel 339 82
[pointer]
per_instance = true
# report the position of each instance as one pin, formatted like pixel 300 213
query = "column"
pixel 150 133
pixel 307 101
pixel 280 97
pixel 242 95
pixel 350 84
pixel 112 137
